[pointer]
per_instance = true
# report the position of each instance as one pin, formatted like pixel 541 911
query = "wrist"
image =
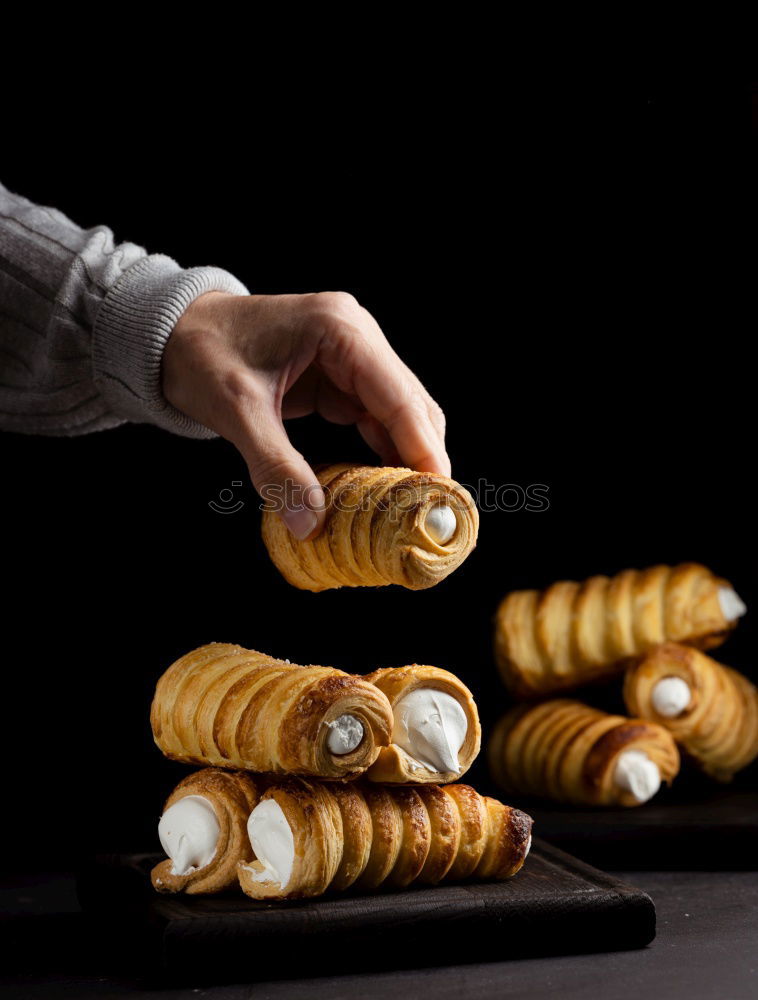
pixel 208 313
pixel 198 347
pixel 197 335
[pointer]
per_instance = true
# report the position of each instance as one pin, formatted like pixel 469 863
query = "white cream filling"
pixel 441 524
pixel 670 696
pixel 345 734
pixel 636 773
pixel 528 846
pixel 271 838
pixel 431 727
pixel 188 831
pixel 732 605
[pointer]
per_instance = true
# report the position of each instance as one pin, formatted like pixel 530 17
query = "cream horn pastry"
pixel 572 633
pixel 436 733
pixel 203 830
pixel 709 709
pixel 232 707
pixel 382 526
pixel 566 751
pixel 313 837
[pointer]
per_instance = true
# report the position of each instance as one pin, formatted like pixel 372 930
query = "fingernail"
pixel 300 522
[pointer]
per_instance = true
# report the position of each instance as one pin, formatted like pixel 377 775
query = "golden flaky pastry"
pixel 567 751
pixel 232 795
pixel 376 531
pixel 232 707
pixel 365 836
pixel 572 633
pixel 396 765
pixel 717 726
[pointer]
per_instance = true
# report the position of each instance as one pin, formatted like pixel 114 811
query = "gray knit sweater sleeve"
pixel 83 324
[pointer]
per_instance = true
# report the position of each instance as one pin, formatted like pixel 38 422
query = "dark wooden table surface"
pixel 706 947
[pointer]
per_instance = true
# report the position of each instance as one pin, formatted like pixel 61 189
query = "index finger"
pixel 357 357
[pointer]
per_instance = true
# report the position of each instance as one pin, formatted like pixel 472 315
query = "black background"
pixel 562 262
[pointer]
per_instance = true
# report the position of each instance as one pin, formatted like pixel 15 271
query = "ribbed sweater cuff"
pixel 133 324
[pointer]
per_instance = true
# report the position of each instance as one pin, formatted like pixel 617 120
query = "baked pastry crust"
pixel 368 836
pixel 232 707
pixel 374 533
pixel 233 795
pixel 719 728
pixel 565 750
pixel 573 633
pixel 393 765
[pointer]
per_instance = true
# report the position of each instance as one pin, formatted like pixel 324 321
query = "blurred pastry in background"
pixel 566 751
pixel 573 633
pixel 710 709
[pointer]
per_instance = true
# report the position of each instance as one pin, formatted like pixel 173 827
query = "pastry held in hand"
pixel 232 707
pixel 569 752
pixel 709 709
pixel 203 829
pixel 312 837
pixel 382 526
pixel 436 734
pixel 572 633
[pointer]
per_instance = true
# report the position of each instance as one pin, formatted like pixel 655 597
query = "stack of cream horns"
pixel 649 626
pixel 314 780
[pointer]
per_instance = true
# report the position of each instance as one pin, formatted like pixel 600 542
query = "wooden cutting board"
pixel 555 905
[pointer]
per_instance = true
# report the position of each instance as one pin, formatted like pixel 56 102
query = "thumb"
pixel 280 474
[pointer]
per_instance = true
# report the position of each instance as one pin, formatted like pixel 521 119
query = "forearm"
pixel 83 324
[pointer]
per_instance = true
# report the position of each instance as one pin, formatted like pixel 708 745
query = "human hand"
pixel 241 364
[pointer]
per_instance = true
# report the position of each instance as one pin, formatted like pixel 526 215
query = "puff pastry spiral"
pixel 719 726
pixel 572 633
pixel 366 836
pixel 232 707
pixel 567 751
pixel 394 764
pixel 376 531
pixel 233 796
